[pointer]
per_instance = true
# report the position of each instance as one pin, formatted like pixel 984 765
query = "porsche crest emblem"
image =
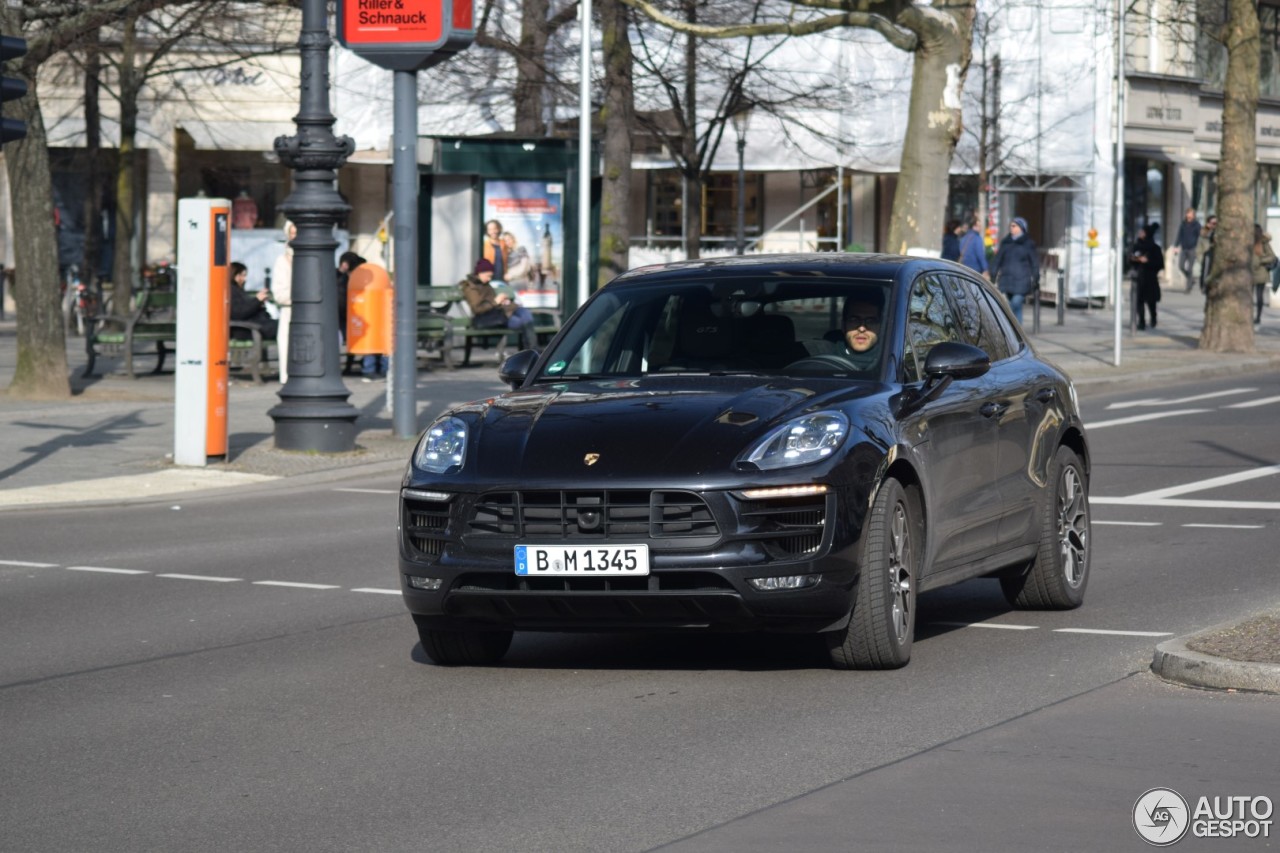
pixel 591 458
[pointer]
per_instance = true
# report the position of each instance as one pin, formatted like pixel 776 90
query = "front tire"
pixel 883 622
pixel 463 648
pixel 1057 578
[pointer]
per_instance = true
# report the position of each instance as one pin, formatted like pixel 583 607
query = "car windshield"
pixel 770 325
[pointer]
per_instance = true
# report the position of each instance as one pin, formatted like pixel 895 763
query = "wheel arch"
pixel 1074 439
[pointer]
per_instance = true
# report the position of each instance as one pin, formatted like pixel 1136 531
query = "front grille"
pixel 425 523
pixel 787 527
pixel 598 514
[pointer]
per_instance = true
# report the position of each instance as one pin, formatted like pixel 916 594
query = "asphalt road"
pixel 236 672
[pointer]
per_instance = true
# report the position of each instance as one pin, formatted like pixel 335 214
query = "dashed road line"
pixel 296 585
pixel 1265 401
pixel 1137 419
pixel 1131 523
pixel 376 590
pixel 371 491
pixel 1228 526
pixel 210 578
pixel 23 564
pixel 1160 401
pixel 999 625
pixel 1204 485
pixel 1112 633
pixel 106 570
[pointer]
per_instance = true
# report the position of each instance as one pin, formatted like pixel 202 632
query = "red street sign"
pixel 406 35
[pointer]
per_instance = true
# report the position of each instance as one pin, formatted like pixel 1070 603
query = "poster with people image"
pixel 529 217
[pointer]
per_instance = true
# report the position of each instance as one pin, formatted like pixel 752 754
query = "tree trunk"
pixel 1228 312
pixel 618 118
pixel 941 61
pixel 123 272
pixel 41 370
pixel 531 68
pixel 692 212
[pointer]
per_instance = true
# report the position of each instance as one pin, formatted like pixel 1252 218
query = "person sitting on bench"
pixel 493 310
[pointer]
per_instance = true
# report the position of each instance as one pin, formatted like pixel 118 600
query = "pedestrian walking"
pixel 282 293
pixel 1148 261
pixel 1017 266
pixel 951 235
pixel 1205 250
pixel 1185 245
pixel 1261 262
pixel 973 252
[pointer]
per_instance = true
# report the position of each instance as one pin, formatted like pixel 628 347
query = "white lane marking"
pixel 200 578
pixel 1137 419
pixel 1160 401
pixel 370 491
pixel 379 591
pixel 1131 523
pixel 293 585
pixel 1204 485
pixel 106 571
pixel 1265 401
pixel 1185 503
pixel 1112 633
pixel 999 625
pixel 22 564
pixel 1229 526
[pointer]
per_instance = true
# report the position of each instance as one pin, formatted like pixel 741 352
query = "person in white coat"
pixel 282 291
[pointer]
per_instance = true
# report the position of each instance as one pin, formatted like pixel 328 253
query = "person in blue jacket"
pixel 973 251
pixel 1017 266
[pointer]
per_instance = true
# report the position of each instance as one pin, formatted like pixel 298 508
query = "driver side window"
pixel 930 321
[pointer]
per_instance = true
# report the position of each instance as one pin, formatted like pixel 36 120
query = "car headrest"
pixel 704 335
pixel 771 333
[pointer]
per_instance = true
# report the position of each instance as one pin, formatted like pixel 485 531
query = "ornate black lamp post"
pixel 740 120
pixel 313 413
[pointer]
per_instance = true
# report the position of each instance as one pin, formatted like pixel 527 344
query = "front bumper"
pixel 703 553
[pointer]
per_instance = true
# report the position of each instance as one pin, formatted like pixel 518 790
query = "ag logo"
pixel 1161 816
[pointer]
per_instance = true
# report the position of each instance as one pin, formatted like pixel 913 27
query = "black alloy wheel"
pixel 463 648
pixel 1057 578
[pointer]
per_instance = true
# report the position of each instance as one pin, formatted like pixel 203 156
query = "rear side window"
pixel 996 309
pixel 977 320
pixel 930 321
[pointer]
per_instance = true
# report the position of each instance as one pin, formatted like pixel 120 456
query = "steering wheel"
pixel 822 363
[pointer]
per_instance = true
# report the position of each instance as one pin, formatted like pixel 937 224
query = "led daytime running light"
pixel 784 492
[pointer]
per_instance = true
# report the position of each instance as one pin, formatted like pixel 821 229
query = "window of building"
pixel 664 204
pixel 1211 54
pixel 720 206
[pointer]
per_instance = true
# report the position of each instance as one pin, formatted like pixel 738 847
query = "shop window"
pixel 720 206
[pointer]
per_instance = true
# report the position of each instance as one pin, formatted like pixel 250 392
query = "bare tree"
pixel 1228 314
pixel 41 369
pixel 618 118
pixel 938 35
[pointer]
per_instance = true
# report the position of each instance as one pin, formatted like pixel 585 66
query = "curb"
pixel 1174 662
pixel 1096 383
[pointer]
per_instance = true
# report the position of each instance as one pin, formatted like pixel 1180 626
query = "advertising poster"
pixel 531 215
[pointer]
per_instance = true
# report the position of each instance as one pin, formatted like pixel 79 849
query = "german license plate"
pixel 560 561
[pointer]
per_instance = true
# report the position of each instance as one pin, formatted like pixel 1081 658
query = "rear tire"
pixel 1057 578
pixel 464 648
pixel 883 622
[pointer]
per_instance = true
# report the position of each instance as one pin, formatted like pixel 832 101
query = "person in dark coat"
pixel 1148 260
pixel 491 310
pixel 1017 266
pixel 951 240
pixel 249 307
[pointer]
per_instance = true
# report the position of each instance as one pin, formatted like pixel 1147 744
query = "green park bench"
pixel 154 321
pixel 444 323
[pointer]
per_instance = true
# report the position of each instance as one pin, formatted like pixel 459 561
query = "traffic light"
pixel 1092 242
pixel 11 88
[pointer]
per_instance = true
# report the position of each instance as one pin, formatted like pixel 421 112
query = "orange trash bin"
pixel 369 304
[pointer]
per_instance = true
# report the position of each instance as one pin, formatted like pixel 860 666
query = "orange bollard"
pixel 369 305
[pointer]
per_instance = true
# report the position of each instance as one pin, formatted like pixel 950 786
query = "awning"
pixel 1192 162
pixel 237 135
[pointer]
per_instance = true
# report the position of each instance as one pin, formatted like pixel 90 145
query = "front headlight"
pixel 444 446
pixel 802 441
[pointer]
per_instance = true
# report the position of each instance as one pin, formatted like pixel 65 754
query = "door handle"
pixel 991 410
pixel 1046 395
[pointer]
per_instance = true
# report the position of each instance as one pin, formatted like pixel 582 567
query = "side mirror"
pixel 516 368
pixel 955 361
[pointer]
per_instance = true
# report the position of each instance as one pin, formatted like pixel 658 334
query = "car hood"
pixel 638 428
